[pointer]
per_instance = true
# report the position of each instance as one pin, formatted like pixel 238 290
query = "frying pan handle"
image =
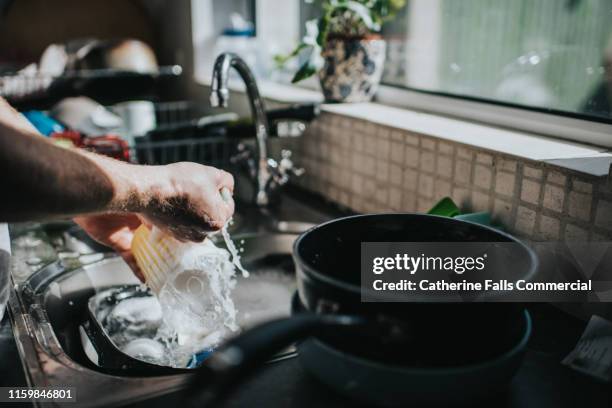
pixel 239 357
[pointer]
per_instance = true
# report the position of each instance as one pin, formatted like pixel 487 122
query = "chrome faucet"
pixel 267 173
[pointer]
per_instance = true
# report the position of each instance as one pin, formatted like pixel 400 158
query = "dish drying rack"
pixel 188 144
pixel 35 90
pixel 176 137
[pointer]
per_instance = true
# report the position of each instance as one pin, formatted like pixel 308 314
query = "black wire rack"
pixel 170 146
pixel 35 90
pixel 176 136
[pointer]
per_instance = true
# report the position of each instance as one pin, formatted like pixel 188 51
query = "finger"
pixel 132 221
pixel 225 179
pixel 220 212
pixel 198 236
pixel 189 233
pixel 228 209
pixel 228 205
pixel 145 221
pixel 192 236
pixel 176 232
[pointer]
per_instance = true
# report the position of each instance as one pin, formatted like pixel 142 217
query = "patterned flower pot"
pixel 353 68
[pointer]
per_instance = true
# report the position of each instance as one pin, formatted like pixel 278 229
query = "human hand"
pixel 184 199
pixel 115 231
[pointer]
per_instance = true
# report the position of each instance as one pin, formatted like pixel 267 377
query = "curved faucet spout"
pixel 219 97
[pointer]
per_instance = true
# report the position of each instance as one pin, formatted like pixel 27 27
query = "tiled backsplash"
pixel 374 168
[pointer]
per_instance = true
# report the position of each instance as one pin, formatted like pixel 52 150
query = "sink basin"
pixel 56 299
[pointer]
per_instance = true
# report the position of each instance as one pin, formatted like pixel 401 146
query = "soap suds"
pixel 194 309
pixel 197 307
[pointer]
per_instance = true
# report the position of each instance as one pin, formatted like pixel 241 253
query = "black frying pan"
pixel 424 334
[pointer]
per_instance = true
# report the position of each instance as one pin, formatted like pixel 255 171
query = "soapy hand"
pixel 182 199
pixel 186 200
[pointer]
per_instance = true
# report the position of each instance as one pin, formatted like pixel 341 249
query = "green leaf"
pixel 323 29
pixel 304 72
pixel 281 60
pixel 315 62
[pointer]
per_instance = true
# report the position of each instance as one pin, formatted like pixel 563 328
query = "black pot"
pixel 423 334
pixel 328 275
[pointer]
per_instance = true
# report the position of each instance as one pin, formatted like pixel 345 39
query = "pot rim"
pixel 305 268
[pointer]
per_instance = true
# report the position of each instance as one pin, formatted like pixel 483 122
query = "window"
pixel 549 55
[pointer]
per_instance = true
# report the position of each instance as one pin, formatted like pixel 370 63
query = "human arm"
pixel 41 180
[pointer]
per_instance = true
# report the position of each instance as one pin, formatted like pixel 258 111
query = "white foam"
pixel 196 300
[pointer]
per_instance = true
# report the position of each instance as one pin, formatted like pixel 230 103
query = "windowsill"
pixel 583 158
pixel 271 90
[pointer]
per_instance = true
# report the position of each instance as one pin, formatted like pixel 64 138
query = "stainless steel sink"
pixel 46 311
pixel 49 306
pixel 52 305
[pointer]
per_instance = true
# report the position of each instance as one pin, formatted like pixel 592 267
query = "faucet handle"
pixel 286 154
pixel 286 165
pixel 281 171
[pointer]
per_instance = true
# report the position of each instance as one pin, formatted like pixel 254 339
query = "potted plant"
pixel 345 48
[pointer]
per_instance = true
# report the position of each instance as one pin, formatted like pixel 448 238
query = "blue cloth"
pixel 44 123
pixel 198 358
